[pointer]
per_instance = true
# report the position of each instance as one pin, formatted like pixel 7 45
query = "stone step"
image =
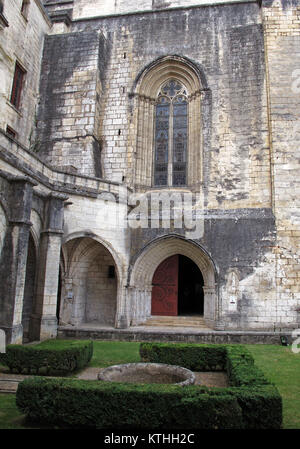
pixel 8 386
pixel 176 321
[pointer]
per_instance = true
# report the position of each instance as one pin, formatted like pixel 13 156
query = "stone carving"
pixel 232 290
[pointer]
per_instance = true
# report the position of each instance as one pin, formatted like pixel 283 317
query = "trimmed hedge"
pixel 259 400
pixel 191 356
pixel 234 359
pixel 241 370
pixel 250 402
pixel 261 406
pixel 51 357
pixel 77 403
pixel 195 357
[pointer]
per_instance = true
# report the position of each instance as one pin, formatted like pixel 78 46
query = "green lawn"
pixel 108 353
pixel 280 365
pixel 10 417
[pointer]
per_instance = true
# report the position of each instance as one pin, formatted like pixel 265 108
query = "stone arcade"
pixel 108 105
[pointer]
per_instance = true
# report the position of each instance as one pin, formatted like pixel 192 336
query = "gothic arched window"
pixel 171 135
pixel 166 137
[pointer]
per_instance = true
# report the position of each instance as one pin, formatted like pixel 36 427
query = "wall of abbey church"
pixel 90 96
pixel 282 39
pixel 100 66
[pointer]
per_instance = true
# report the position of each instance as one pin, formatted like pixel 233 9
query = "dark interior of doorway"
pixel 190 288
pixel 58 295
pixel 29 292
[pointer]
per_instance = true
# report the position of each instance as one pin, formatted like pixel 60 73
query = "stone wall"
pixel 86 8
pixel 93 211
pixel 227 46
pixel 282 37
pixel 71 91
pixel 22 41
pixel 75 188
pixel 226 43
pixel 16 198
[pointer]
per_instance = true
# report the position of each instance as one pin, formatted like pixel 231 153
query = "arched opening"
pixel 168 128
pixel 90 284
pixel 195 267
pixel 177 288
pixel 29 291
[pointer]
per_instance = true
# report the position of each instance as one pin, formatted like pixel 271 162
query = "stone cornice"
pixel 205 4
pixel 44 12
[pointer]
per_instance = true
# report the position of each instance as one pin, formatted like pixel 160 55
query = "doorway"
pixel 177 288
pixel 190 288
pixel 29 291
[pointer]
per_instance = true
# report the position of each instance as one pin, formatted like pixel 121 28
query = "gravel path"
pixel 9 382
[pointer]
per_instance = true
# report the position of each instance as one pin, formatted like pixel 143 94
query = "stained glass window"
pixel 179 140
pixel 171 125
pixel 162 141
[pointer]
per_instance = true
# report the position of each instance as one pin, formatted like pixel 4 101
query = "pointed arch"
pixel 29 297
pixel 153 255
pixel 107 245
pixel 89 293
pixel 3 226
pixel 160 249
pixel 146 91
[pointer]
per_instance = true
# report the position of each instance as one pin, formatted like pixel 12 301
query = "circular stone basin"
pixel 148 373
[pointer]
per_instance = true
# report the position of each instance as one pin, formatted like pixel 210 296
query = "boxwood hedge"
pixel 57 357
pixel 191 356
pixel 77 403
pixel 250 402
pixel 259 400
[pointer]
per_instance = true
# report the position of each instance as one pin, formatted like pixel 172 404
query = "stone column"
pixel 123 317
pixel 44 318
pixel 211 313
pixel 14 258
pixel 140 304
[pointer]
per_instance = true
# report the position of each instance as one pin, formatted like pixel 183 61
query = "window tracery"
pixel 171 132
pixel 167 133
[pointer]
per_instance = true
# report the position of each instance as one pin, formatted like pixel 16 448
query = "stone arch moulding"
pixel 29 308
pixel 89 249
pixel 140 282
pixel 4 221
pixel 108 246
pixel 5 209
pixel 36 227
pixel 145 91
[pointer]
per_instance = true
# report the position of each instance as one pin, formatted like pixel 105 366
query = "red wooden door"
pixel 165 288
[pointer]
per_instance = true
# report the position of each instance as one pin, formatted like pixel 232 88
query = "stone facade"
pixel 282 36
pixel 78 238
pixel 22 42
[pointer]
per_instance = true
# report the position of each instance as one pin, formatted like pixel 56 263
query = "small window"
pixel 24 8
pixel 111 272
pixel 11 132
pixel 17 85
